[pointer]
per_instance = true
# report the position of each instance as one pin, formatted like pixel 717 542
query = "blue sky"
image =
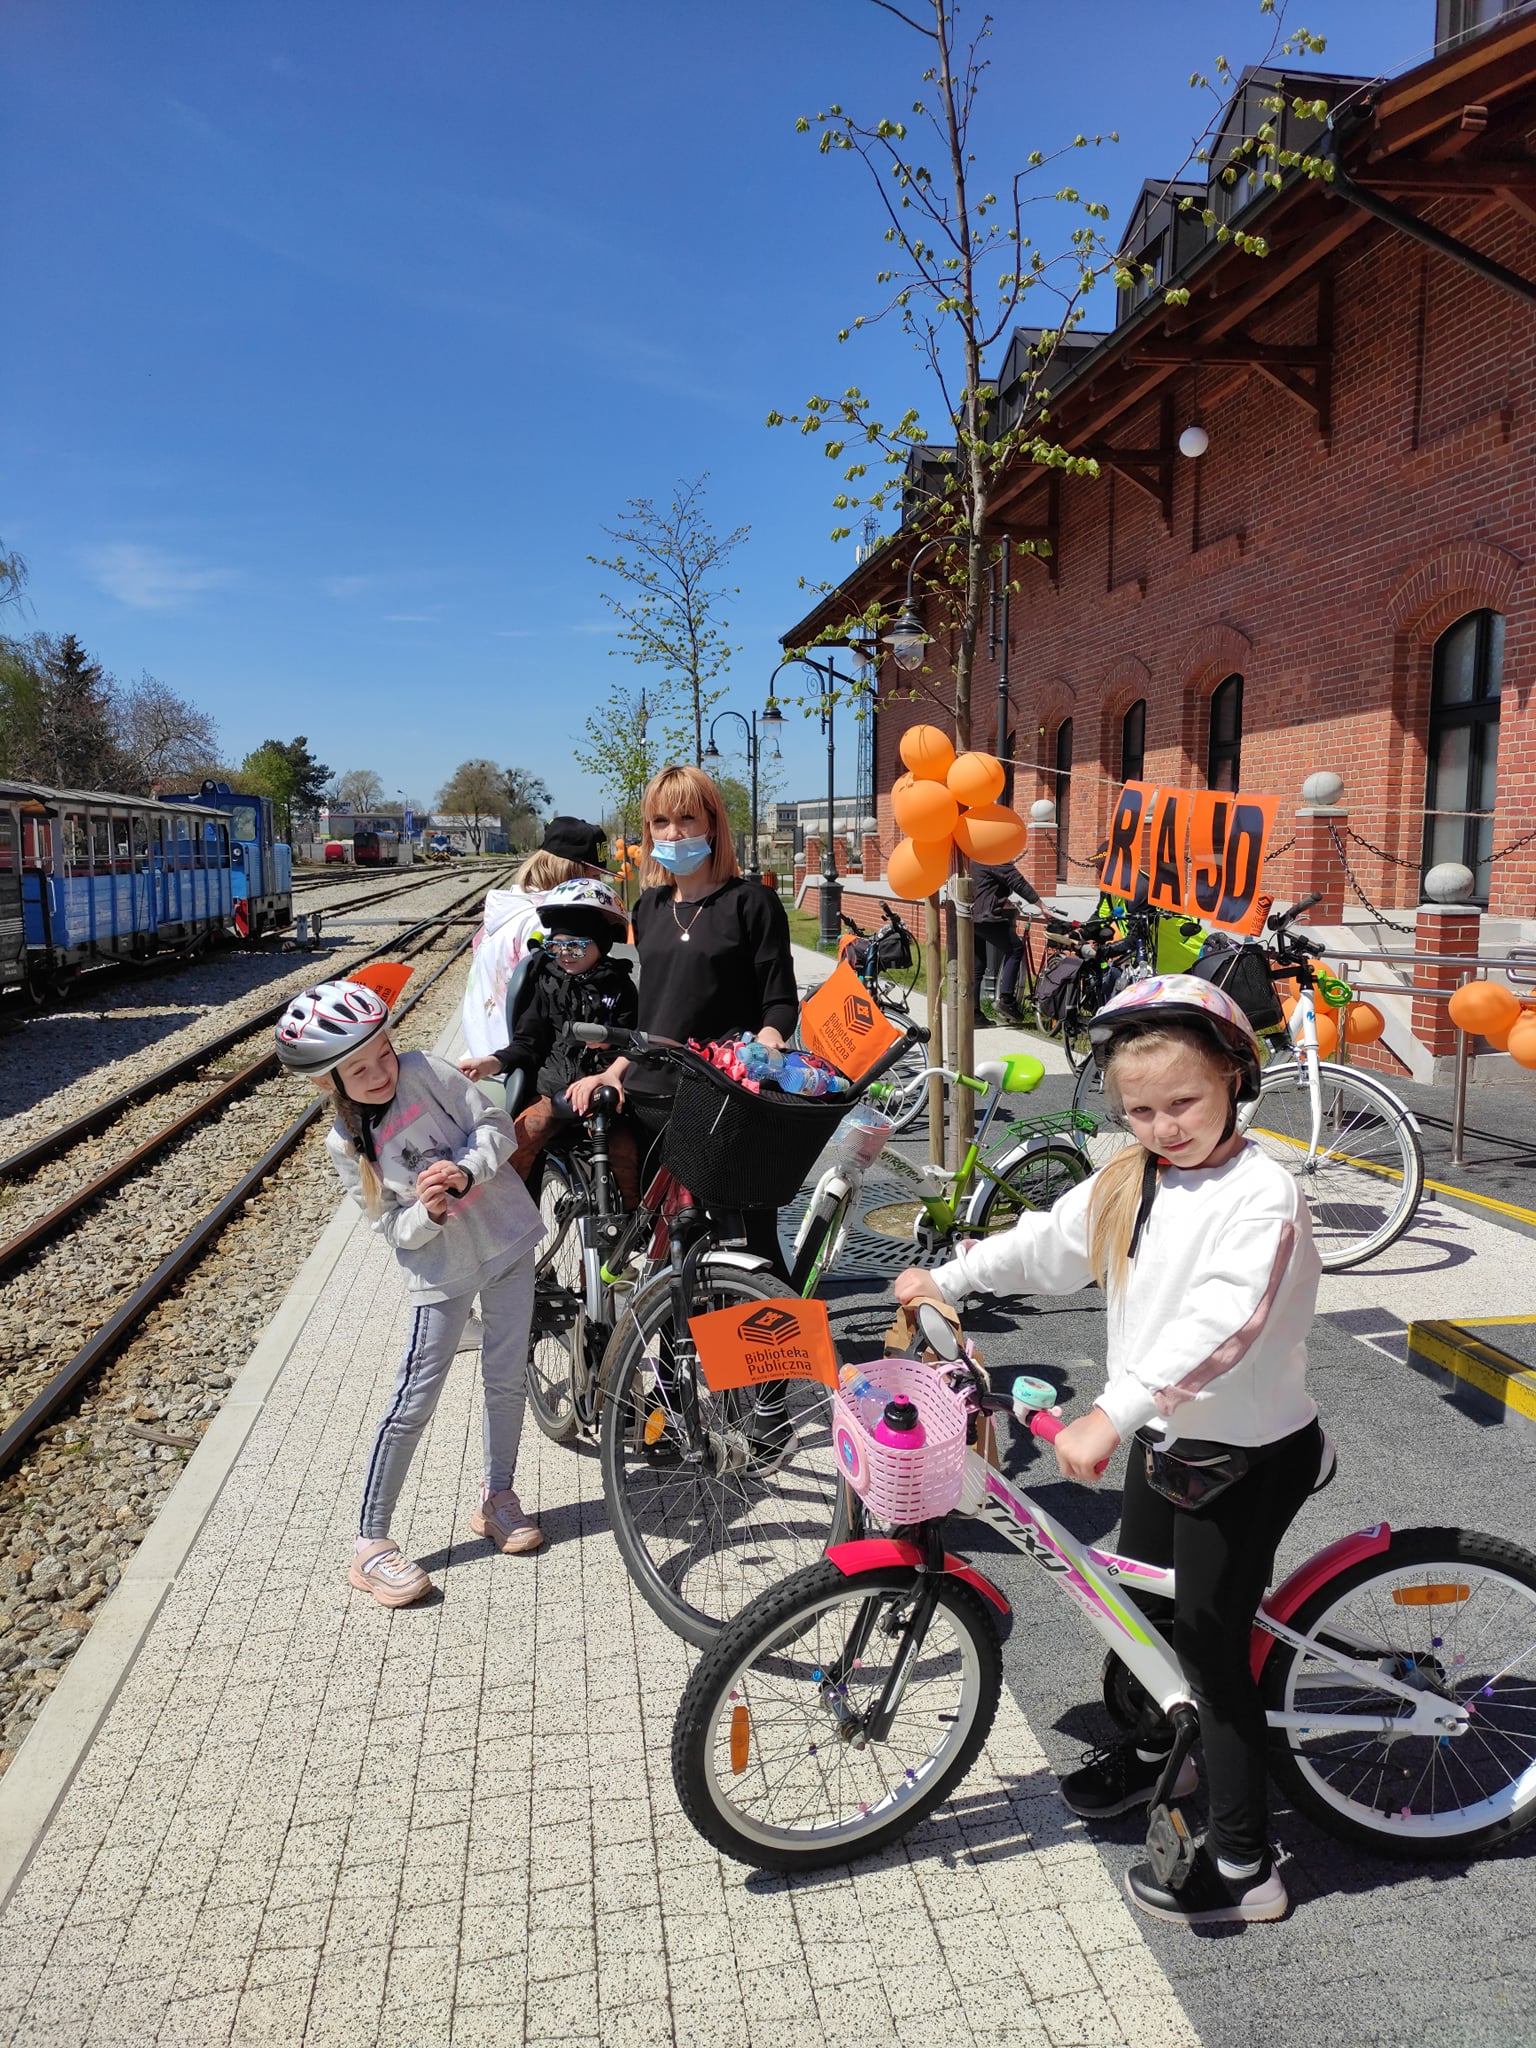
pixel 335 334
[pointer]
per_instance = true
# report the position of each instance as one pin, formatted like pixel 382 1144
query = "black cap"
pixel 575 839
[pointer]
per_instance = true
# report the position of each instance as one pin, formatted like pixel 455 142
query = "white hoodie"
pixel 1209 1337
pixel 510 916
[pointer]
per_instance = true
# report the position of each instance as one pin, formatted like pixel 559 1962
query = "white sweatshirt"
pixel 1209 1338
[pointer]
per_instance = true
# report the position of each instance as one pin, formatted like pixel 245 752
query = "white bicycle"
pixel 1343 1133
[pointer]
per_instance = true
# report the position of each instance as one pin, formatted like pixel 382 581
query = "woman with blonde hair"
pixel 572 849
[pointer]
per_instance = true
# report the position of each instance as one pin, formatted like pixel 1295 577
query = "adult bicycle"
pixel 710 1495
pixel 874 957
pixel 1343 1134
pixel 1398 1667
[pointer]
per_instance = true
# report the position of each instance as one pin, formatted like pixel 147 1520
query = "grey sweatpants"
pixel 506 1310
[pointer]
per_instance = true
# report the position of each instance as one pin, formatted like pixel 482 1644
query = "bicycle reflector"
pixel 655 1423
pixel 741 1738
pixel 1430 1596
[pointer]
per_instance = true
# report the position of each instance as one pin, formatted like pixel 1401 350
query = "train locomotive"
pixel 88 876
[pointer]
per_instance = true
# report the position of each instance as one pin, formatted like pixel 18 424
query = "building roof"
pixel 1452 126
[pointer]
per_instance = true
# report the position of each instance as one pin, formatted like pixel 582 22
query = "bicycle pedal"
pixel 1170 1846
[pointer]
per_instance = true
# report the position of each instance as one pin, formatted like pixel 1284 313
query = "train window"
pixel 77 845
pixel 121 858
pixel 140 841
pixel 243 822
pixel 8 847
pixel 101 845
pixel 34 843
pixel 223 831
pixel 183 843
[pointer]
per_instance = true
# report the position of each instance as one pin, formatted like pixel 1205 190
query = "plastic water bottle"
pixel 762 1062
pixel 900 1426
pixel 799 1076
pixel 863 1396
pixel 862 1137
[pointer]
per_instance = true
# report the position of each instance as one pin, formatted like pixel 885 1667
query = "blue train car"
pixel 99 876
pixel 263 863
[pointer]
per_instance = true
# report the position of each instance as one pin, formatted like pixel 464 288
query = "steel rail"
pixel 90 1121
pixel 122 1323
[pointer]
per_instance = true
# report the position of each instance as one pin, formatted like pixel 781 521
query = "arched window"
pixel 1063 795
pixel 1464 745
pixel 1224 754
pixel 1133 741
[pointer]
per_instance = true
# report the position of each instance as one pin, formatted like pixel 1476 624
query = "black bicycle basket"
pixel 735 1150
pixel 1242 972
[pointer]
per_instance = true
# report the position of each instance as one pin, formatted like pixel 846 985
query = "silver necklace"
pixel 684 930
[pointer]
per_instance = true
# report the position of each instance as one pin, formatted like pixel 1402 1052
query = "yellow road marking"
pixel 1480 1365
pixel 1440 1187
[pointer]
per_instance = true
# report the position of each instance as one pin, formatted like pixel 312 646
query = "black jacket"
pixel 605 994
pixel 993 888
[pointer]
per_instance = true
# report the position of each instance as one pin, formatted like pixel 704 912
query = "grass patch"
pixel 804 927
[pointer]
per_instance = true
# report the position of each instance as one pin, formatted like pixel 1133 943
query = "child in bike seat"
pixel 1203 1246
pixel 574 981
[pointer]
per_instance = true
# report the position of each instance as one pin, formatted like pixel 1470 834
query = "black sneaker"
pixel 1206 1897
pixel 1009 1013
pixel 1114 1779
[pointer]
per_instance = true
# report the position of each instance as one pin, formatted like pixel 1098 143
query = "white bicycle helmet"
pixel 1181 999
pixel 326 1024
pixel 586 909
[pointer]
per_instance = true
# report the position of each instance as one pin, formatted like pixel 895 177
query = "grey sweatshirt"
pixel 437 1114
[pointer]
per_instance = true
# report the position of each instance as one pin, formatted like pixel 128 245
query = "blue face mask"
pixel 680 856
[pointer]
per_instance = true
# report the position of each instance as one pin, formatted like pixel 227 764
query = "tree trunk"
pixel 933 963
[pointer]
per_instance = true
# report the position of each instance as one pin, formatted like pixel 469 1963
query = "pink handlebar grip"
pixel 1048 1427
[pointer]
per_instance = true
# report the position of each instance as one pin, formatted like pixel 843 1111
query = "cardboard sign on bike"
pixel 843 1022
pixel 1201 850
pixel 765 1340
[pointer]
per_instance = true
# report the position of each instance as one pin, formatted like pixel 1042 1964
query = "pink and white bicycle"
pixel 1398 1667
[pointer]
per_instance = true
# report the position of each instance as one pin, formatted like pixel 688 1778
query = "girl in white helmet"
pixel 419 1149
pixel 1203 1247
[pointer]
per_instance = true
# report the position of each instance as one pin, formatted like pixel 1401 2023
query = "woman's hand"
pixel 436 1183
pixel 479 1070
pixel 1085 1445
pixel 581 1091
pixel 914 1285
pixel 774 1040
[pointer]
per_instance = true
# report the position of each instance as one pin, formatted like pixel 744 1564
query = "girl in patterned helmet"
pixel 1203 1247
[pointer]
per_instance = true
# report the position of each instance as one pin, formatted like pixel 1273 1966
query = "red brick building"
pixel 1344 580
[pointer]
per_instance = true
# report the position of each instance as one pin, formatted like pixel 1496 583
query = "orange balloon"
pixel 977 779
pixel 1363 1024
pixel 927 753
pixel 1522 1042
pixel 925 811
pixel 992 834
pixel 1482 1005
pixel 904 781
pixel 918 868
pixel 1327 1030
pixel 1499 1040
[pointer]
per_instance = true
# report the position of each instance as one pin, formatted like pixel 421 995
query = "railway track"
pixel 42 1238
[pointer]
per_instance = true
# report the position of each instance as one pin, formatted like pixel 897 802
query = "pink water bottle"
pixel 900 1427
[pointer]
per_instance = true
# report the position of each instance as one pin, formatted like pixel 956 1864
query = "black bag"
pixel 893 949
pixel 1055 986
pixel 1242 972
pixel 1194 1474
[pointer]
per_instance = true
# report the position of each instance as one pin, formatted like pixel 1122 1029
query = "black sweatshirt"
pixel 733 972
pixel 605 994
pixel 994 885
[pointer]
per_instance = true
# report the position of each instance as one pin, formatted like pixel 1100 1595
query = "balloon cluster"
pixel 946 801
pixel 629 860
pixel 1496 1013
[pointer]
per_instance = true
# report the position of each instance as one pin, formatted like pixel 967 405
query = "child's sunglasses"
pixel 566 946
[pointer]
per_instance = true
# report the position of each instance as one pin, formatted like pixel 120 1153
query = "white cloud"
pixel 148 578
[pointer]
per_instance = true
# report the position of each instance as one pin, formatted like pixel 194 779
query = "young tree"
pixel 361 788
pixel 620 755
pixel 164 738
pixel 288 772
pixel 524 796
pixel 670 558
pixel 75 737
pixel 963 271
pixel 477 789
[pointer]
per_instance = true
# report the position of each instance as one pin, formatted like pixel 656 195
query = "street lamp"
pixel 907 639
pixel 712 753
pixel 831 887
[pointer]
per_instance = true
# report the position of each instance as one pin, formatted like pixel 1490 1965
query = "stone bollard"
pixel 1315 863
pixel 1039 862
pixel 1452 930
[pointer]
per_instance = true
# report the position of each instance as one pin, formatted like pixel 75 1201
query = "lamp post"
pixel 831 887
pixel 771 716
pixel 907 637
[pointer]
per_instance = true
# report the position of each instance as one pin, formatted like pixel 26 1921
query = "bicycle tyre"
pixel 1370 1144
pixel 822 1234
pixel 897 1792
pixel 1376 1805
pixel 1089 1099
pixel 558 1330
pixel 701 1543
pixel 1031 1178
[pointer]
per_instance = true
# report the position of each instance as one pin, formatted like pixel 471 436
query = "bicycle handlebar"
pixel 1048 1427
pixel 621 1038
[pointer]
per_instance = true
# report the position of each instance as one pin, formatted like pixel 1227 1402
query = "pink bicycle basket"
pixel 896 1485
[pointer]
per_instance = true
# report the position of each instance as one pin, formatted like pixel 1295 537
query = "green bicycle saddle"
pixel 1022 1073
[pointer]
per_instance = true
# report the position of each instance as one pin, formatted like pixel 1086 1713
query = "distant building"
pixel 463 831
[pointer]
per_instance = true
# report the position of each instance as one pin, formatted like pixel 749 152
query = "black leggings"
pixel 1222 1555
pixel 1004 951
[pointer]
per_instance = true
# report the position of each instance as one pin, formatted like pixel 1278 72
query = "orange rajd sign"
pixel 765 1340
pixel 1201 850
pixel 843 1022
